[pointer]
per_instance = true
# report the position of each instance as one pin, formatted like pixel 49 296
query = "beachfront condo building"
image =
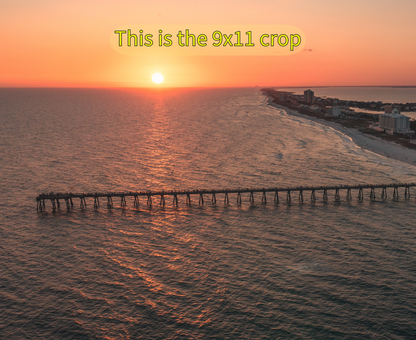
pixel 335 112
pixel 395 122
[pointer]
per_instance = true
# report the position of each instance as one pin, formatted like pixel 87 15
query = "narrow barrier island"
pixel 361 121
pixel 285 194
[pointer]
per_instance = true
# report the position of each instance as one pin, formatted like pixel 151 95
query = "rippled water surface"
pixel 300 271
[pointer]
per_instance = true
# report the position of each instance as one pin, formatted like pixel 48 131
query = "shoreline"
pixel 367 142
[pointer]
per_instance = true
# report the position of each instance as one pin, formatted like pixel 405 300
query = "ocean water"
pixel 289 271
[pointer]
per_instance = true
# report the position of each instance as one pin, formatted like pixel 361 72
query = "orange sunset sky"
pixel 49 43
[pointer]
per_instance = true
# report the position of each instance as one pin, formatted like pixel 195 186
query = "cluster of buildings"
pixel 390 122
pixel 327 106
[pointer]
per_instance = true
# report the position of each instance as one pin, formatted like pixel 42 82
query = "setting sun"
pixel 157 78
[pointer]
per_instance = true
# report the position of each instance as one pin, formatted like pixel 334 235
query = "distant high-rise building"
pixel 309 96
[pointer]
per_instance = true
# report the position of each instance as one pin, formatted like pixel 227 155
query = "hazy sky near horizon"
pixel 67 43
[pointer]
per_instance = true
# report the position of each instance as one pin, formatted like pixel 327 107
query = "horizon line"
pixel 196 87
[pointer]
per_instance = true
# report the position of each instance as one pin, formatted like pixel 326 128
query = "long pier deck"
pixel 286 193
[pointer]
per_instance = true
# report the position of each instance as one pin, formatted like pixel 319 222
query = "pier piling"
pixel 360 194
pixel 313 196
pixel 68 204
pixel 83 202
pixel 372 195
pixel 396 193
pixel 406 193
pixel 264 198
pixel 96 202
pixel 226 200
pixel 337 198
pixel 349 197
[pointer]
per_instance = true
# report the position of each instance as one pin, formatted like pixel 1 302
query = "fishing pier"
pixel 287 194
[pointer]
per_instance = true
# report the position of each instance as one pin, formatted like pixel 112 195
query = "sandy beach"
pixel 370 143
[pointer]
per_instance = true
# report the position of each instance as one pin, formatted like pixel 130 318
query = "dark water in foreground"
pixel 299 271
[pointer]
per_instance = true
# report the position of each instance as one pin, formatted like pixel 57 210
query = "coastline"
pixel 367 142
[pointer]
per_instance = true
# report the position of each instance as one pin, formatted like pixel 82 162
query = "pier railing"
pixel 286 194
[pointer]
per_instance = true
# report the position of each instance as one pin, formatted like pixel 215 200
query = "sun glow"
pixel 157 78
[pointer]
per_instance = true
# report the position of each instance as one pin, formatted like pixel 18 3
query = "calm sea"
pixel 300 271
